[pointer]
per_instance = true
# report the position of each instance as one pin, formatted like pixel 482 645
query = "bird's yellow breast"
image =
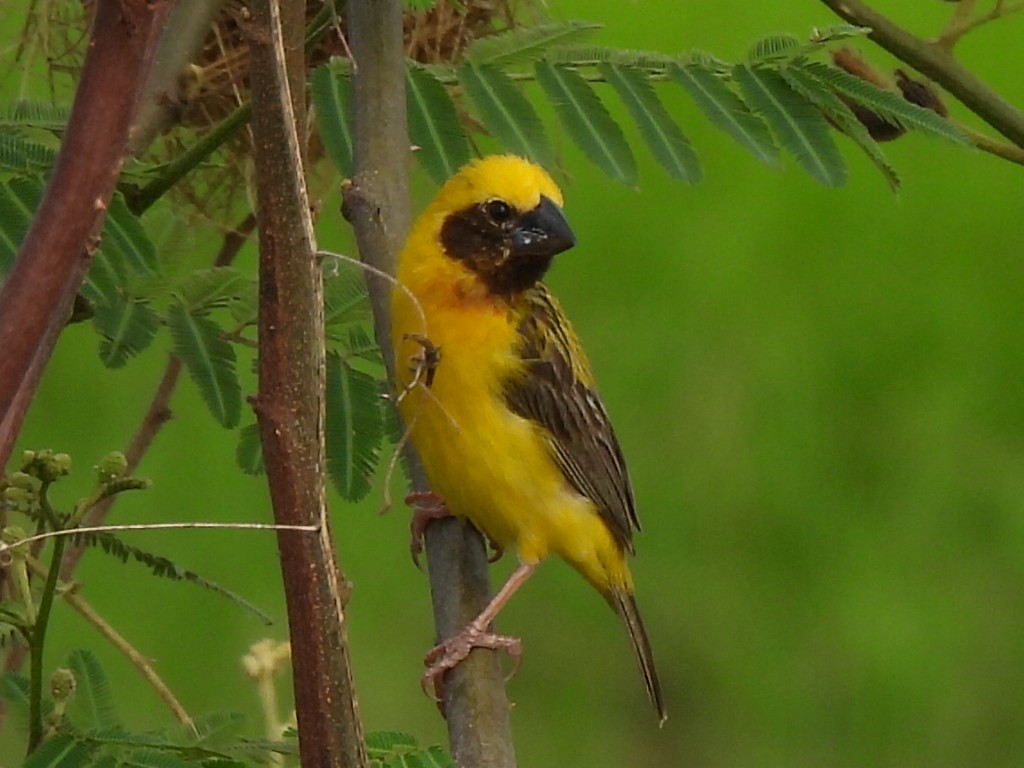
pixel 489 464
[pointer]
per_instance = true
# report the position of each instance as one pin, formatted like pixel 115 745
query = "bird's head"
pixel 501 217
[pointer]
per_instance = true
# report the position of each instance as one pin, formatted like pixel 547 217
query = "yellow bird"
pixel 500 399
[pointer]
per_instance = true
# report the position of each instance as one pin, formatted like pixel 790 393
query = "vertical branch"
pixel 290 405
pixel 377 204
pixel 58 247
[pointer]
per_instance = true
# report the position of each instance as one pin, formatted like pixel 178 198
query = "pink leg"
pixel 476 634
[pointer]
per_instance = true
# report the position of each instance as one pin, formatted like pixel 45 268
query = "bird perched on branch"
pixel 499 398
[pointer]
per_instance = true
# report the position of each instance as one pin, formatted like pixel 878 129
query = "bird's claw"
pixel 427 506
pixel 454 650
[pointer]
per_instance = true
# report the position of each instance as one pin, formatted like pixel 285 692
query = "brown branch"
pixel 39 291
pixel 377 204
pixel 936 62
pixel 290 403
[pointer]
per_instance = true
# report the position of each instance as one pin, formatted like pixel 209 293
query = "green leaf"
pixel 34 114
pixel 123 231
pixel 659 131
pixel 20 154
pixel 587 121
pixel 388 741
pixel 434 125
pixel 152 758
pixel 774 47
pixel 249 451
pixel 331 93
pixel 587 55
pixel 797 123
pixel 355 427
pixel 19 198
pixel 60 751
pixel 93 699
pixel 727 111
pixel 886 103
pixel 822 35
pixel 506 113
pixel 208 289
pixel 126 328
pixel 345 298
pixel 842 118
pixel 210 361
pixel 163 567
pixel 527 43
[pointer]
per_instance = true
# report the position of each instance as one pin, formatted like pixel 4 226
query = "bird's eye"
pixel 498 211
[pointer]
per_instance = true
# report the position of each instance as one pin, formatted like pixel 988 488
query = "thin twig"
pixel 961 23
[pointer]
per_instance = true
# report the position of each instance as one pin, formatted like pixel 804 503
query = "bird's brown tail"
pixel 625 605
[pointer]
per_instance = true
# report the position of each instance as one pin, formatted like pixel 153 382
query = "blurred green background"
pixel 820 396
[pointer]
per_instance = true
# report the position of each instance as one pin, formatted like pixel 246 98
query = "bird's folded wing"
pixel 556 391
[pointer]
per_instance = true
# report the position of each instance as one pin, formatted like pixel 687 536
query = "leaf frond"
pixel 587 121
pixel 526 44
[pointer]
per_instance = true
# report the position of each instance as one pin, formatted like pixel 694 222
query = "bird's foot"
pixel 426 506
pixel 454 650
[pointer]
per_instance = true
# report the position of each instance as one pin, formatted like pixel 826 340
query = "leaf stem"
pixel 35 733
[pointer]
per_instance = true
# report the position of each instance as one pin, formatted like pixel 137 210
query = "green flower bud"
pixel 111 466
pixel 62 684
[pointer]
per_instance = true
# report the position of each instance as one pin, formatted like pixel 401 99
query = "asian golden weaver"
pixel 507 420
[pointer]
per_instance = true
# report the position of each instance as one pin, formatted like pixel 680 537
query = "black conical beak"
pixel 542 231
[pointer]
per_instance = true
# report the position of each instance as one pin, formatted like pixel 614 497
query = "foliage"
pixel 780 97
pixel 27 612
pixel 85 728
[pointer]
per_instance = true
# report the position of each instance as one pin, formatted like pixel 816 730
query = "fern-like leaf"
pixel 345 298
pixel 33 114
pixel 659 131
pixel 526 44
pixel 126 328
pixel 216 287
pixel 842 118
pixel 587 121
pixel 774 47
pixel 331 93
pixel 210 361
pixel 19 198
pixel 148 757
pixel 124 232
pixel 726 110
pixel 506 113
pixel 60 751
pixel 590 55
pixel 249 451
pixel 164 568
pixel 21 154
pixel 822 35
pixel 888 104
pixel 94 701
pixel 355 427
pixel 798 125
pixel 400 750
pixel 434 125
